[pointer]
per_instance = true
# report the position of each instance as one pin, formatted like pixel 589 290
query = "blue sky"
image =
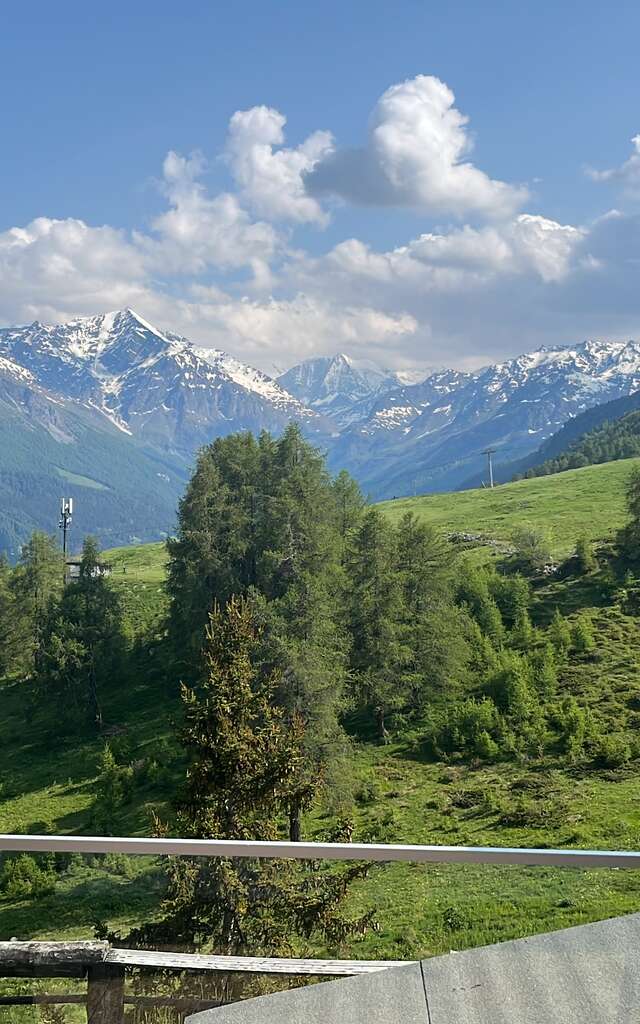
pixel 93 99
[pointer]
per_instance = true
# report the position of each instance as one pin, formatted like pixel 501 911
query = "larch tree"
pixel 263 518
pixel 379 655
pixel 36 583
pixel 434 630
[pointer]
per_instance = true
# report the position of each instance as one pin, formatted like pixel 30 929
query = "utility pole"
pixel 489 452
pixel 66 516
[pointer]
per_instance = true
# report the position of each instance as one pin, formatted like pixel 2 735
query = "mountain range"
pixel 111 410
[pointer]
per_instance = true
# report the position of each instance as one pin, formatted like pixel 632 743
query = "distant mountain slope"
pixel 123 491
pixel 561 441
pixel 151 384
pixel 431 436
pixel 111 410
pixel 616 437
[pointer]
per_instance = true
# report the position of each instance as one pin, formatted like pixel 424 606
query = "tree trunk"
pixel 295 830
pixel 383 735
pixel 95 711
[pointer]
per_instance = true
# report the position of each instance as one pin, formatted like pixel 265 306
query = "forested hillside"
pixel 612 440
pixel 300 664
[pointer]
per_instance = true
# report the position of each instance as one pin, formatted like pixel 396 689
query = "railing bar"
pixel 322 851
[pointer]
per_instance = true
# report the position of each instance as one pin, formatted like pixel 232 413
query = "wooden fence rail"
pixel 104 968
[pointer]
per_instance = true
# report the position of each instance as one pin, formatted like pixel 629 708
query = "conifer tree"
pixel 544 669
pixel 512 594
pixel 433 630
pixel 483 655
pixel 265 519
pixel 584 556
pixel 582 638
pixel 35 584
pixel 378 655
pixel 82 645
pixel 523 633
pixel 245 769
pixel 629 536
pixel 474 593
pixel 559 634
pixel 350 506
pixel 212 557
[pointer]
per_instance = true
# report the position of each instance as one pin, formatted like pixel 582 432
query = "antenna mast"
pixel 66 516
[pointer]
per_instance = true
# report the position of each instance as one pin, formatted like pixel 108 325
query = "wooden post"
pixel 105 994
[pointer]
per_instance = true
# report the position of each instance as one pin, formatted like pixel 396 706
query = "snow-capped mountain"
pixel 112 410
pixel 431 436
pixel 154 385
pixel 342 388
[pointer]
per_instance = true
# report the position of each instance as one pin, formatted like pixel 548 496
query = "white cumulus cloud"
pixel 627 175
pixel 415 156
pixel 198 230
pixel 51 268
pixel 222 268
pixel 271 179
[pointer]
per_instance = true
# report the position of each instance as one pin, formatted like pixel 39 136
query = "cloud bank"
pixel 227 270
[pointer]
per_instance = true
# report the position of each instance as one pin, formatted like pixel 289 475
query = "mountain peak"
pixel 131 314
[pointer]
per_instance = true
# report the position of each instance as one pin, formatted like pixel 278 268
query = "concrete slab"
pixel 395 996
pixel 584 975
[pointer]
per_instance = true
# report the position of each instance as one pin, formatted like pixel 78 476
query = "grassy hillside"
pixel 586 501
pixel 399 794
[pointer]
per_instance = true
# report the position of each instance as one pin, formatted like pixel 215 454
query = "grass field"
pixel 586 501
pixel 143 564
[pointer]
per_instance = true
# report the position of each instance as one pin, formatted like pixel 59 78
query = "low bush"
pixel 23 877
pixel 612 751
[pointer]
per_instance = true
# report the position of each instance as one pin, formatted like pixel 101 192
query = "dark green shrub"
pixel 582 638
pixel 574 725
pixel 455 919
pixel 22 877
pixel 113 789
pixel 464 728
pixel 585 559
pixel 612 751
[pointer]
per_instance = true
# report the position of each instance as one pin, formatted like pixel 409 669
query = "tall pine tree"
pixel 379 655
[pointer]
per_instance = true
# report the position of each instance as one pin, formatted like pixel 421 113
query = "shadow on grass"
pixel 569 595
pixel 76 908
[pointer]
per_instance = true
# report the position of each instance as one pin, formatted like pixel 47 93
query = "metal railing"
pixel 392 852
